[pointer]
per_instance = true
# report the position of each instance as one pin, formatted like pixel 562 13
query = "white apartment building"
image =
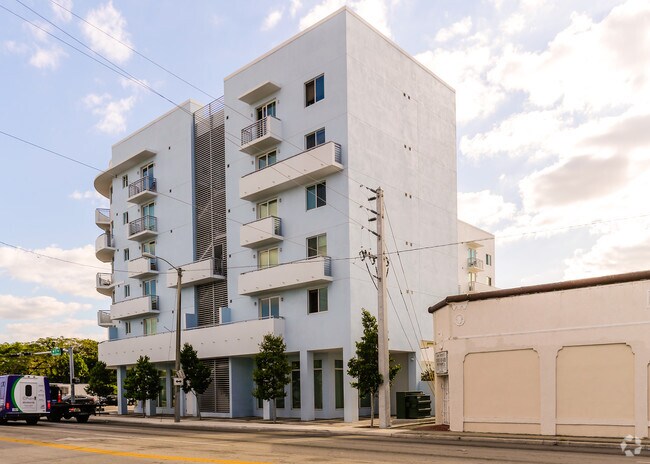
pixel 476 253
pixel 261 198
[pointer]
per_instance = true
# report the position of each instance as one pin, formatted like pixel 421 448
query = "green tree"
pixel 272 370
pixel 198 375
pixel 364 367
pixel 142 382
pixel 102 381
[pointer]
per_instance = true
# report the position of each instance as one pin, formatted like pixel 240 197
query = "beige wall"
pixel 502 391
pixel 573 362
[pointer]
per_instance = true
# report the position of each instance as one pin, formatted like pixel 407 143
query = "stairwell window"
pixel 125 217
pixel 127 327
pixel 488 259
pixel 127 291
pixel 316 195
pixel 125 181
pixel 126 255
pixel 315 138
pixel 314 90
pixel 317 300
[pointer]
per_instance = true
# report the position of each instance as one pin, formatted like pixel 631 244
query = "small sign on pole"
pixel 56 351
pixel 178 382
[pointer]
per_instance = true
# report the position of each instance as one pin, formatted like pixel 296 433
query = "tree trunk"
pixel 372 409
pixel 272 412
pixel 198 405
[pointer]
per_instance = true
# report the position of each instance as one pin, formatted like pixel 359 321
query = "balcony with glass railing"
pixel 104 283
pixel 104 319
pixel 105 248
pixel 301 169
pixel 143 228
pixel 103 218
pixel 474 265
pixel 261 135
pixel 262 232
pixel 142 190
pixel 134 307
pixel 295 274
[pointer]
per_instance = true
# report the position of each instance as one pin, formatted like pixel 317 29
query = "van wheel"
pixel 31 420
pixel 82 419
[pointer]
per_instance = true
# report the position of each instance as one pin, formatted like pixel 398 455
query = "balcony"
pixel 142 306
pixel 233 339
pixel 474 287
pixel 103 218
pixel 142 190
pixel 197 273
pixel 263 90
pixel 143 228
pixel 296 274
pixel 261 135
pixel 104 319
pixel 141 268
pixel 474 265
pixel 104 283
pixel 301 169
pixel 104 248
pixel 262 232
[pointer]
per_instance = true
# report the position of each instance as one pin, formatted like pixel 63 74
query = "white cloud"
pixel 514 24
pixel 376 12
pixel 109 20
pixel 296 5
pixel 64 277
pixel 44 58
pixel 484 209
pixel 66 327
pixel 460 28
pixel 272 20
pixel 37 307
pixel 112 112
pixel 15 48
pixel 62 9
pixel 92 195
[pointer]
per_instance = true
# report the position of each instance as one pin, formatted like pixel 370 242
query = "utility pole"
pixel 177 365
pixel 382 325
pixel 71 356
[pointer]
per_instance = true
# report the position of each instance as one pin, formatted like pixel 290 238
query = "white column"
pixel 266 410
pixel 307 412
pixel 350 395
pixel 641 356
pixel 548 389
pixel 121 401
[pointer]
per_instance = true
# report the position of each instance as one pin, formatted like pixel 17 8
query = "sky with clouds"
pixel 552 105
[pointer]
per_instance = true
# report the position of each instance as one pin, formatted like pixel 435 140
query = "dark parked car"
pixel 78 399
pixel 109 400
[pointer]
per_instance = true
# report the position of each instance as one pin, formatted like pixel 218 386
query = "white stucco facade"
pixel 292 260
pixel 476 259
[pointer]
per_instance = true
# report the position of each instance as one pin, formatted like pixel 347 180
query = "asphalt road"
pixel 104 443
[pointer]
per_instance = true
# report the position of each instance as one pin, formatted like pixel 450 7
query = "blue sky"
pixel 552 105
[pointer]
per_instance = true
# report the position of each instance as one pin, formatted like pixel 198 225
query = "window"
pixel 162 392
pixel 267 208
pixel 316 195
pixel 338 384
pixel 127 327
pixel 317 246
pixel 471 253
pixel 149 247
pixel 127 291
pixel 471 276
pixel 279 403
pixel 125 181
pixel 28 390
pixel 265 110
pixel 267 258
pixel 318 384
pixel 317 300
pixel 127 255
pixel 488 259
pixel 149 326
pixel 269 307
pixel 295 384
pixel 315 138
pixel 314 90
pixel 148 210
pixel 149 287
pixel 488 280
pixel 266 160
pixel 125 217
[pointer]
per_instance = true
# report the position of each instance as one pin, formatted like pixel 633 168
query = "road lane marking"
pixel 84 449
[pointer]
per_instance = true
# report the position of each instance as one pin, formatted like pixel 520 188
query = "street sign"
pixel 178 382
pixel 56 351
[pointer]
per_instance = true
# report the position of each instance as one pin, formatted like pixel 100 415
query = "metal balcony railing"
pixel 277 225
pixel 141 185
pixel 337 158
pixel 219 266
pixel 142 224
pixel 255 131
pixel 475 263
pixel 327 265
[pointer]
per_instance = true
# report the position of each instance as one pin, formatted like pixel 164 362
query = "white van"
pixel 24 397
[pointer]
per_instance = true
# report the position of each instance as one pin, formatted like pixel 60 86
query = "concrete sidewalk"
pixel 400 428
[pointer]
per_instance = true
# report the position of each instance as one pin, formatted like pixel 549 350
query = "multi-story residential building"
pixel 261 198
pixel 476 269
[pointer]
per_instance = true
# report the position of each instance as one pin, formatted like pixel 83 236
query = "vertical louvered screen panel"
pixel 210 201
pixel 217 397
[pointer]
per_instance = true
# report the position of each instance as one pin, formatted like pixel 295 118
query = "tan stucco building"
pixel 570 358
